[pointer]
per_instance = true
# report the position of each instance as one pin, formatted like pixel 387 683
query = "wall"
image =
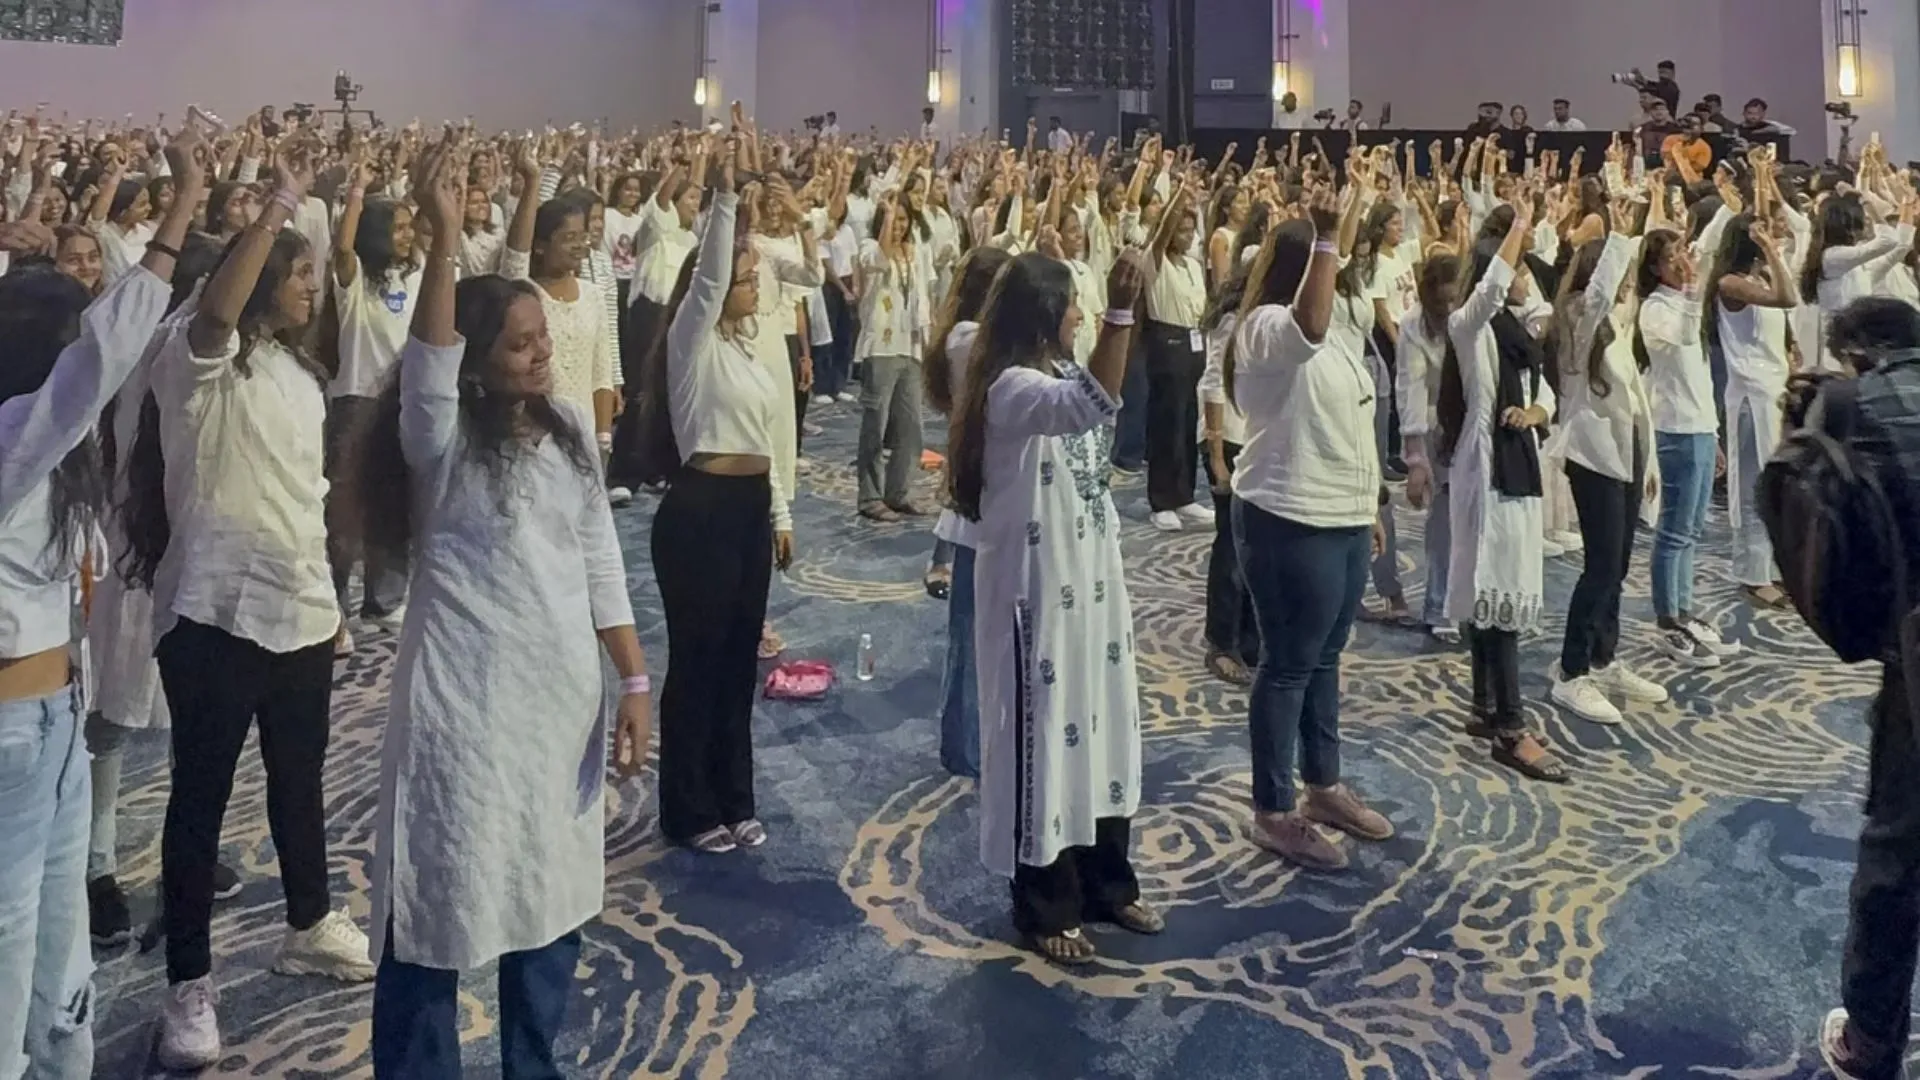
pixel 1434 62
pixel 508 63
pixel 1243 56
pixel 864 59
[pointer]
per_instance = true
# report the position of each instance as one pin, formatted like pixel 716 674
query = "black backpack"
pixel 1837 535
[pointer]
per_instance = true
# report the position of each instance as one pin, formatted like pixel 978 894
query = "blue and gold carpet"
pixel 1675 911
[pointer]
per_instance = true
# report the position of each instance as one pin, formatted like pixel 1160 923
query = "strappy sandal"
pixel 880 512
pixel 771 644
pixel 1479 728
pixel 717 841
pixel 939 581
pixel 1546 767
pixel 1780 601
pixel 1139 918
pixel 749 833
pixel 1228 669
pixel 1069 947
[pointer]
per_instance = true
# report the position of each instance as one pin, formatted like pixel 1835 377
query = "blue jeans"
pixel 1752 549
pixel 416 1014
pixel 1686 490
pixel 46 965
pixel 1306 584
pixel 959 689
pixel 1439 550
pixel 1130 428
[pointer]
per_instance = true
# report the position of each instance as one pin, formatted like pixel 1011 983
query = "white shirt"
pixel 1851 272
pixel 37 431
pixel 1599 432
pixel 1213 386
pixel 1310 454
pixel 582 344
pixel 1416 379
pixel 952 527
pixel 1060 141
pixel 1571 123
pixel 889 319
pixel 1393 282
pixel 661 247
pixel 246 496
pixel 720 397
pixel 1682 379
pixel 374 317
pixel 622 232
pixel 1178 294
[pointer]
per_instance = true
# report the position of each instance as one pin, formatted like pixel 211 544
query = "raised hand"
pixel 293 167
pixel 1127 282
pixel 190 160
pixel 1323 209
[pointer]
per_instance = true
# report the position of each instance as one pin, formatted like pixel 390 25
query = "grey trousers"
pixel 889 419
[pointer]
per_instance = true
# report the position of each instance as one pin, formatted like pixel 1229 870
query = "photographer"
pixel 1664 87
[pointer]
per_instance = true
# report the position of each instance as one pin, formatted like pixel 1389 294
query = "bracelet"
pixel 163 249
pixel 634 685
pixel 1325 247
pixel 1118 317
pixel 356 192
pixel 285 200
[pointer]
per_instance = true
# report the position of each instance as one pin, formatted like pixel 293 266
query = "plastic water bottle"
pixel 864 670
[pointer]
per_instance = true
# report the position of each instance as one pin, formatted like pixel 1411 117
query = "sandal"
pixel 1768 596
pixel 771 644
pixel 749 833
pixel 908 508
pixel 880 512
pixel 1228 669
pixel 1066 947
pixel 939 581
pixel 1545 766
pixel 1139 918
pixel 717 841
pixel 1480 728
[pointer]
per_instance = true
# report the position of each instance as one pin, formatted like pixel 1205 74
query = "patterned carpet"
pixel 1676 911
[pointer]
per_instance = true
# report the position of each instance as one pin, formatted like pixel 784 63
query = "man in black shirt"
pixel 1653 134
pixel 1665 88
pixel 1488 122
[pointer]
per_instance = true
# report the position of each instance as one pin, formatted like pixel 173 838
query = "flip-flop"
pixel 1139 918
pixel 1480 729
pixel 1073 958
pixel 1228 670
pixel 1780 602
pixel 880 513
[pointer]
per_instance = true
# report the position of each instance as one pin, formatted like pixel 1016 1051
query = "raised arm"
pixel 430 365
pixel 1490 296
pixel 520 233
pixel 699 312
pixel 211 331
pixel 346 261
pixel 1777 292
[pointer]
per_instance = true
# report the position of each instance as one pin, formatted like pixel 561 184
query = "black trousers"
pixel 1496 678
pixel 646 323
pixel 1085 884
pixel 1883 925
pixel 383 578
pixel 713 556
pixel 1173 414
pixel 1231 627
pixel 1389 356
pixel 1609 512
pixel 631 353
pixel 795 348
pixel 216 685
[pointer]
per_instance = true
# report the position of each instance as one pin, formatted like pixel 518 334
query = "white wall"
pixel 864 59
pixel 1436 61
pixel 508 63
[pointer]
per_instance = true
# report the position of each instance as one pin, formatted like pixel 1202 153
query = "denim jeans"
pixel 959 689
pixel 107 743
pixel 416 1014
pixel 1686 490
pixel 46 964
pixel 1306 584
pixel 1433 612
pixel 1130 428
pixel 1752 550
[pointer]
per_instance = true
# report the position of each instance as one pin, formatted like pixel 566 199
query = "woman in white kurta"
pixel 1053 631
pixel 1494 579
pixel 491 816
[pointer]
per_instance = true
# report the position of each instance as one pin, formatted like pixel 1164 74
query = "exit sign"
pixel 1220 84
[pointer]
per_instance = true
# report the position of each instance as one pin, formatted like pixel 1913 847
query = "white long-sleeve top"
pixel 661 247
pixel 1213 385
pixel 1416 382
pixel 37 431
pixel 720 398
pixel 1598 432
pixel 490 826
pixel 952 527
pixel 583 344
pixel 1682 379
pixel 1851 272
pixel 1310 454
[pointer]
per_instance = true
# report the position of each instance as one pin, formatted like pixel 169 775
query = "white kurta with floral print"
pixel 1053 630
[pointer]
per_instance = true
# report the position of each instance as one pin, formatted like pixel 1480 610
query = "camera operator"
pixel 1663 87
pixel 269 124
pixel 1754 122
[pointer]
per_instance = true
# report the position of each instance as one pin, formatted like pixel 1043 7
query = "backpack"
pixel 1837 537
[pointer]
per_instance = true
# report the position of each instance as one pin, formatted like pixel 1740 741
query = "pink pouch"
pixel 800 680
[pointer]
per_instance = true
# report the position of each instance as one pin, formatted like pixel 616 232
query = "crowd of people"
pixel 251 367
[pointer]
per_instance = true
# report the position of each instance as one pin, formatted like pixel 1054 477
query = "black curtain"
pixel 1180 31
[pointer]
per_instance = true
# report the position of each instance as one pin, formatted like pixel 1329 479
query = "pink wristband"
pixel 634 685
pixel 286 200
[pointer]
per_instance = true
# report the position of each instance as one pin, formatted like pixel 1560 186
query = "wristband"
pixel 604 438
pixel 356 192
pixel 157 246
pixel 1118 317
pixel 286 200
pixel 1325 247
pixel 635 685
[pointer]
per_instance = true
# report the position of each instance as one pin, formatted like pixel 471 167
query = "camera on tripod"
pixel 1325 116
pixel 300 112
pixel 1841 111
pixel 1633 77
pixel 345 90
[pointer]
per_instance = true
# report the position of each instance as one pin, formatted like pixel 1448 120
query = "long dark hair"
pixel 1843 222
pixel 1569 308
pixel 1019 328
pixel 40 313
pixel 199 256
pixel 143 511
pixel 1658 244
pixel 1738 254
pixel 373 242
pixel 1274 278
pixel 966 302
pixel 1437 273
pixel 1451 409
pixel 497 428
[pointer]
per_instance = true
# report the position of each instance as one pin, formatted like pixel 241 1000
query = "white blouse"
pixel 661 248
pixel 582 344
pixel 890 320
pixel 1310 454
pixel 374 316
pixel 1178 295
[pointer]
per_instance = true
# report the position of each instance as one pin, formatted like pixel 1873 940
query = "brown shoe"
pixel 1338 808
pixel 1296 840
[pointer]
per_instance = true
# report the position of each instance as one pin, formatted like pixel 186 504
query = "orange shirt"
pixel 1696 153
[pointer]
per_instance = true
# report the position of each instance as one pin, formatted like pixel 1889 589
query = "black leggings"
pixel 1173 414
pixel 713 558
pixel 1609 512
pixel 1496 678
pixel 216 685
pixel 1083 885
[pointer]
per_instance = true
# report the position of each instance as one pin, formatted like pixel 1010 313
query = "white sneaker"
pixel 1832 1030
pixel 1166 521
pixel 333 947
pixel 1445 634
pixel 619 496
pixel 811 429
pixel 1617 678
pixel 848 397
pixel 189 1027
pixel 1197 513
pixel 1585 700
pixel 1687 649
pixel 822 400
pixel 1550 549
pixel 1569 541
pixel 1706 634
